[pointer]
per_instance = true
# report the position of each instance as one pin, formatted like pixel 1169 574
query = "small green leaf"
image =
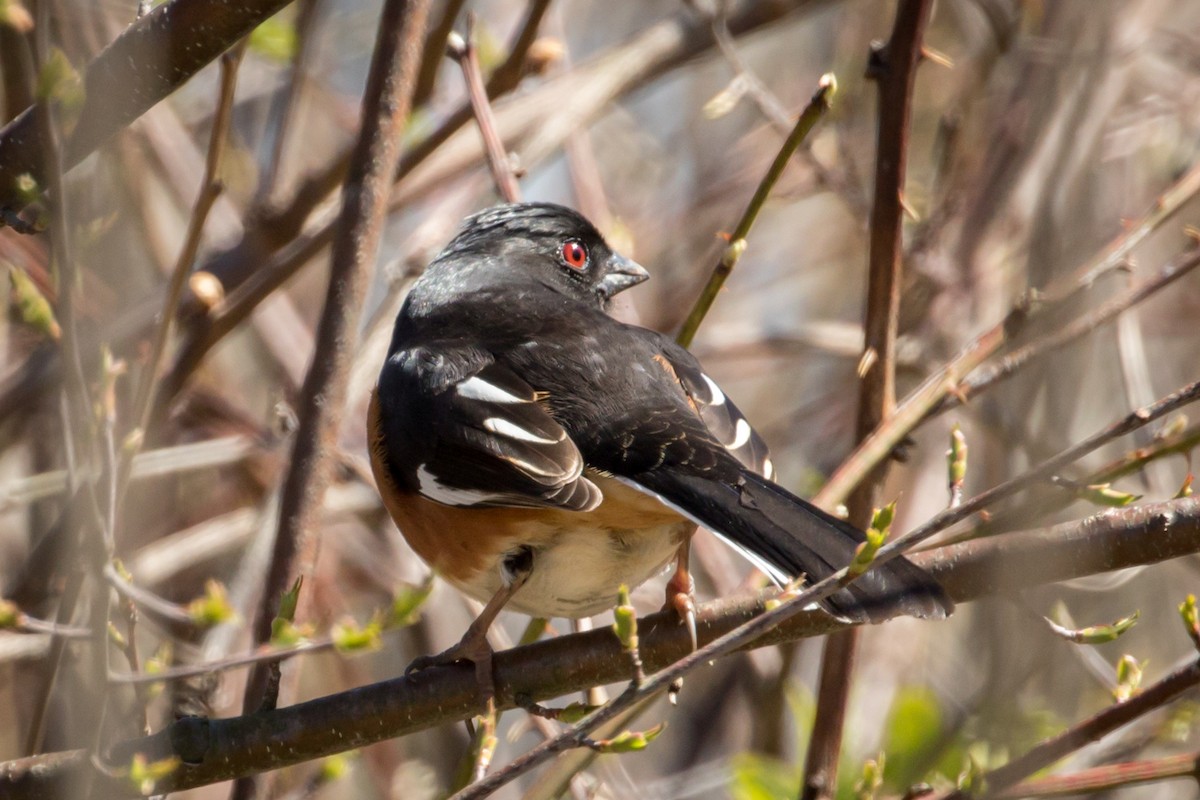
pixel 275 39
pixel 912 735
pixel 1102 494
pixel 349 637
pixel 213 608
pixel 32 305
pixel 871 779
pixel 877 534
pixel 145 775
pixel 574 712
pixel 59 83
pixel 759 777
pixel 625 621
pixel 630 741
pixel 1094 634
pixel 407 603
pixel 10 614
pixel 1191 618
pixel 335 767
pixel 1129 678
pixel 956 457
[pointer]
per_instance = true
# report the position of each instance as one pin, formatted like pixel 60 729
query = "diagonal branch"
pixel 152 58
pixel 221 749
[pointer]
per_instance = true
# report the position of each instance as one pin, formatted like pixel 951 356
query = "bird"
pixel 538 454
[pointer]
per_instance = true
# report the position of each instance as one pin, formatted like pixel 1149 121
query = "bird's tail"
pixel 789 537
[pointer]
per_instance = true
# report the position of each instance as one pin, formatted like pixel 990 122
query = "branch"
pixel 816 108
pixel 1087 731
pixel 894 68
pixel 152 58
pixel 917 406
pixel 222 749
pixel 364 206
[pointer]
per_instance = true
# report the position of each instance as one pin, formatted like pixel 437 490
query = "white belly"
pixel 577 573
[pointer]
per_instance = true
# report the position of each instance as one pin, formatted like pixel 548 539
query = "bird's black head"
pixel 547 243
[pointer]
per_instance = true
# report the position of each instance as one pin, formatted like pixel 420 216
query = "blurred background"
pixel 1041 130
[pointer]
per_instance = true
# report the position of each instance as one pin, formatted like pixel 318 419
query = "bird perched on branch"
pixel 538 453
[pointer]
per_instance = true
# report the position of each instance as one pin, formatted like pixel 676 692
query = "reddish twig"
pixel 1086 732
pixel 894 69
pixel 462 49
pixel 916 407
pixel 364 204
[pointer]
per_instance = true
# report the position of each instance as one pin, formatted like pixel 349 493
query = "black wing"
pixel 463 430
pixel 723 419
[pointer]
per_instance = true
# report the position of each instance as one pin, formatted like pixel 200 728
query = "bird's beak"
pixel 622 273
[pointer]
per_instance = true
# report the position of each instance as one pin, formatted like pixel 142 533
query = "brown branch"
pixel 1086 732
pixel 152 58
pixel 732 252
pixel 1108 777
pixel 894 69
pixel 463 50
pixel 916 407
pixel 988 375
pixel 222 749
pixel 364 205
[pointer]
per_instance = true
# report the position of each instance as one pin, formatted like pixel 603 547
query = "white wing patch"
pixel 476 388
pixel 505 428
pixel 437 491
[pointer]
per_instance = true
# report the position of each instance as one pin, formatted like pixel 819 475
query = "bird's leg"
pixel 681 590
pixel 474 645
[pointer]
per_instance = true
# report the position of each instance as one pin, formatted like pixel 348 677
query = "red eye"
pixel 574 254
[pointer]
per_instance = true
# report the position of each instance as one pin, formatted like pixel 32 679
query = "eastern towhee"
pixel 538 453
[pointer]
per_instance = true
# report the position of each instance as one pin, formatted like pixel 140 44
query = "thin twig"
pixel 462 49
pixel 1099 780
pixel 753 629
pixel 222 749
pixel 816 108
pixel 364 203
pixel 893 66
pixel 210 190
pixel 916 407
pixel 1087 731
pixel 988 375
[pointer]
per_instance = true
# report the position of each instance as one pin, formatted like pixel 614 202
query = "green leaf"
pixel 407 603
pixel 912 736
pixel 145 775
pixel 213 608
pixel 32 305
pixel 1102 494
pixel 1094 634
pixel 275 39
pixel 625 621
pixel 10 615
pixel 349 637
pixel 630 741
pixel 759 777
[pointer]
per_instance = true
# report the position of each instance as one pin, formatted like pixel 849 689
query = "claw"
pixel 685 607
pixel 680 589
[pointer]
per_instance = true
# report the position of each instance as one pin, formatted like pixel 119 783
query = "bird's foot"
pixel 473 647
pixel 681 598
